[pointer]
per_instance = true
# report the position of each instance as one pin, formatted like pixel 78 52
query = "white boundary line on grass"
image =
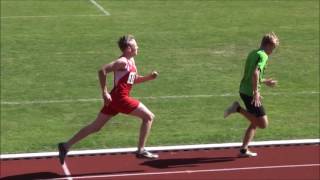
pixel 150 97
pixel 51 16
pixel 160 148
pixel 105 13
pixel 192 171
pixel 100 7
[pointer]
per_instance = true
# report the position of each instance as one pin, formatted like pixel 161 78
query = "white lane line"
pixel 100 7
pixel 51 16
pixel 50 101
pixel 195 171
pixel 66 171
pixel 153 97
pixel 163 148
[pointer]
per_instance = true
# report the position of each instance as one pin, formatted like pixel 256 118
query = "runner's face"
pixel 270 48
pixel 134 47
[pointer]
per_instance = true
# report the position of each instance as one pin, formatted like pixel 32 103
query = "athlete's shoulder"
pixel 253 52
pixel 120 63
pixel 252 56
pixel 262 54
pixel 257 54
pixel 121 60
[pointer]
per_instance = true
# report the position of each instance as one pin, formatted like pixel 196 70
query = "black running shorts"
pixel 257 111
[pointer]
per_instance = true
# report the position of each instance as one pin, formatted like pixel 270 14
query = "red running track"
pixel 288 162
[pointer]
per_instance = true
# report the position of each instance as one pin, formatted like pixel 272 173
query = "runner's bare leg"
pixel 147 118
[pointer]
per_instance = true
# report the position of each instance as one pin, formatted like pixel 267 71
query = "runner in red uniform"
pixel 119 100
pixel 120 94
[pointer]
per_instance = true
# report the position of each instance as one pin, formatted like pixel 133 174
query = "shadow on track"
pixel 184 162
pixel 36 175
pixel 50 175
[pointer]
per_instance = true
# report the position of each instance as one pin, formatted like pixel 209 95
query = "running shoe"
pixel 232 109
pixel 146 154
pixel 62 152
pixel 247 153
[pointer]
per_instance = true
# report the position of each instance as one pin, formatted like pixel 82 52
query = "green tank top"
pixel 256 59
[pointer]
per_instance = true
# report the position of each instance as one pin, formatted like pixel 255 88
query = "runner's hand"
pixel 107 98
pixel 256 101
pixel 154 74
pixel 270 82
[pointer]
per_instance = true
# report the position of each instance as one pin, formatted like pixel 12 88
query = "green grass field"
pixel 51 50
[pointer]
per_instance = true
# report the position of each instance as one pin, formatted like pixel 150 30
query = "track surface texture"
pixel 273 162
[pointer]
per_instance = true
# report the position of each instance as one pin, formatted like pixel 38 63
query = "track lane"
pixel 200 164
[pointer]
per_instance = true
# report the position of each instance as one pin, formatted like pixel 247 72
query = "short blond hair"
pixel 270 38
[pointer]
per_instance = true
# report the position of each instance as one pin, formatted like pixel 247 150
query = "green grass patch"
pixel 199 48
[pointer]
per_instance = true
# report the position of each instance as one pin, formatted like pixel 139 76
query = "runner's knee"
pixel 253 126
pixel 263 122
pixel 263 126
pixel 149 117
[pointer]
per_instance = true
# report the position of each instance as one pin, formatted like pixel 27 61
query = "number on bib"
pixel 131 78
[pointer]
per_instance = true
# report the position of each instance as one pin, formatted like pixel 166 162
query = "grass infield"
pixel 51 50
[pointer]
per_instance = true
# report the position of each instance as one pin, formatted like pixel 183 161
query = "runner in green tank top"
pixel 250 91
pixel 256 59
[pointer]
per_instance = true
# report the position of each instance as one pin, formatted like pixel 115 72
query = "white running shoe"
pixel 247 153
pixel 232 109
pixel 146 155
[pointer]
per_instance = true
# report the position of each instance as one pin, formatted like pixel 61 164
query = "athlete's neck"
pixel 127 56
pixel 262 48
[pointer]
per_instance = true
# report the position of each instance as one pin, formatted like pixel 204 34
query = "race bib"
pixel 131 78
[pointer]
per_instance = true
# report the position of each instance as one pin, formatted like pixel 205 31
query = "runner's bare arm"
pixel 102 74
pixel 256 101
pixel 140 79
